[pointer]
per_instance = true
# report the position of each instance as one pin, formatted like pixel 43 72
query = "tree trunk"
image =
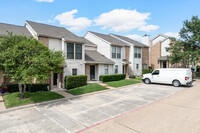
pixel 22 89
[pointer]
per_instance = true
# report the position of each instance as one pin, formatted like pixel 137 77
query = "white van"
pixel 174 76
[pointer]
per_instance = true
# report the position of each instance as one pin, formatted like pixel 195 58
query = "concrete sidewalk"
pixel 2 105
pixel 179 113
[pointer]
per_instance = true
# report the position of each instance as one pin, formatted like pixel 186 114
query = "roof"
pixel 110 39
pixel 54 32
pixel 92 56
pixel 162 58
pixel 125 61
pixel 160 35
pixel 15 29
pixel 86 41
pixel 135 43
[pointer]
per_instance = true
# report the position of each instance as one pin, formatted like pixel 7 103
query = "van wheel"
pixel 147 81
pixel 176 83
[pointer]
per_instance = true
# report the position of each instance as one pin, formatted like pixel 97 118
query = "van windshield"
pixel 156 72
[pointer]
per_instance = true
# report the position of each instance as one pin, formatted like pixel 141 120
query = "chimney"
pixel 146 39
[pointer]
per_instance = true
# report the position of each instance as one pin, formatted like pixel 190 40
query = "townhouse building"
pixel 138 55
pixel 159 51
pixel 112 48
pixel 93 55
pixel 82 56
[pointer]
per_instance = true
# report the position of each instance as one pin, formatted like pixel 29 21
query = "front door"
pixel 92 72
pixel 164 64
pixel 55 78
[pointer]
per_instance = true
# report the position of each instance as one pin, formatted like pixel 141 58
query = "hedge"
pixel 113 77
pixel 197 74
pixel 144 71
pixel 75 81
pixel 30 87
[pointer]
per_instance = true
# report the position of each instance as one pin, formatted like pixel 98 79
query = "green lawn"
pixel 86 89
pixel 139 78
pixel 122 82
pixel 13 99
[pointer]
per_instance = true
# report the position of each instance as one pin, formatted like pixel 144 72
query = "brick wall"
pixel 155 53
pixel 145 56
pixel 87 71
pixel 44 40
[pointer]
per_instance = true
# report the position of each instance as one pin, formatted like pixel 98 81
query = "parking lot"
pixel 79 113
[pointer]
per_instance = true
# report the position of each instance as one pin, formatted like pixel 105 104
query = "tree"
pixel 24 59
pixel 186 50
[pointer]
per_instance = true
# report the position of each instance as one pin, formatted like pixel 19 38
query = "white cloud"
pixel 45 0
pixel 122 20
pixel 74 24
pixel 135 37
pixel 148 28
pixel 173 34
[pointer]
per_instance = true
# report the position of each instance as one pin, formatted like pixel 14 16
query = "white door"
pixel 156 76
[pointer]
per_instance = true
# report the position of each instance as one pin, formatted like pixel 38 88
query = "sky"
pixel 132 18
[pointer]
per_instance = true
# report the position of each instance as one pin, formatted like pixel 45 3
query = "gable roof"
pixel 92 56
pixel 54 32
pixel 165 36
pixel 135 43
pixel 15 29
pixel 110 39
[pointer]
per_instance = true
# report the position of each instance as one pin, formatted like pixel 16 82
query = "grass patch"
pixel 139 78
pixel 12 100
pixel 86 89
pixel 122 83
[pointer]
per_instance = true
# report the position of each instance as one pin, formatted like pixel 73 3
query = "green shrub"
pixel 37 87
pixel 132 76
pixel 197 74
pixel 113 77
pixel 75 81
pixel 144 71
pixel 13 88
pixel 30 87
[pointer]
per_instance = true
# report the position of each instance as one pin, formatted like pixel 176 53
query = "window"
pixel 78 51
pixel 137 66
pixel 113 52
pixel 116 68
pixel 137 52
pixel 144 66
pixel 156 72
pixel 106 69
pixel 116 52
pixel 74 71
pixel 70 51
pixel 167 49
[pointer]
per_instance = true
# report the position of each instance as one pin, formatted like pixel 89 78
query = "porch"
pixel 163 62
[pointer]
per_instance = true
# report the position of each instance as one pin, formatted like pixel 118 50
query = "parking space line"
pixel 139 107
pixel 50 118
pixel 94 108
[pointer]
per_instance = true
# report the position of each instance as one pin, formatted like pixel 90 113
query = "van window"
pixel 156 72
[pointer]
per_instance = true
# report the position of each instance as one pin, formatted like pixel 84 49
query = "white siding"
pixel 102 46
pixel 101 70
pixel 90 48
pixel 163 47
pixel 78 64
pixel 74 64
pixel 134 61
pixel 158 39
pixel 55 44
